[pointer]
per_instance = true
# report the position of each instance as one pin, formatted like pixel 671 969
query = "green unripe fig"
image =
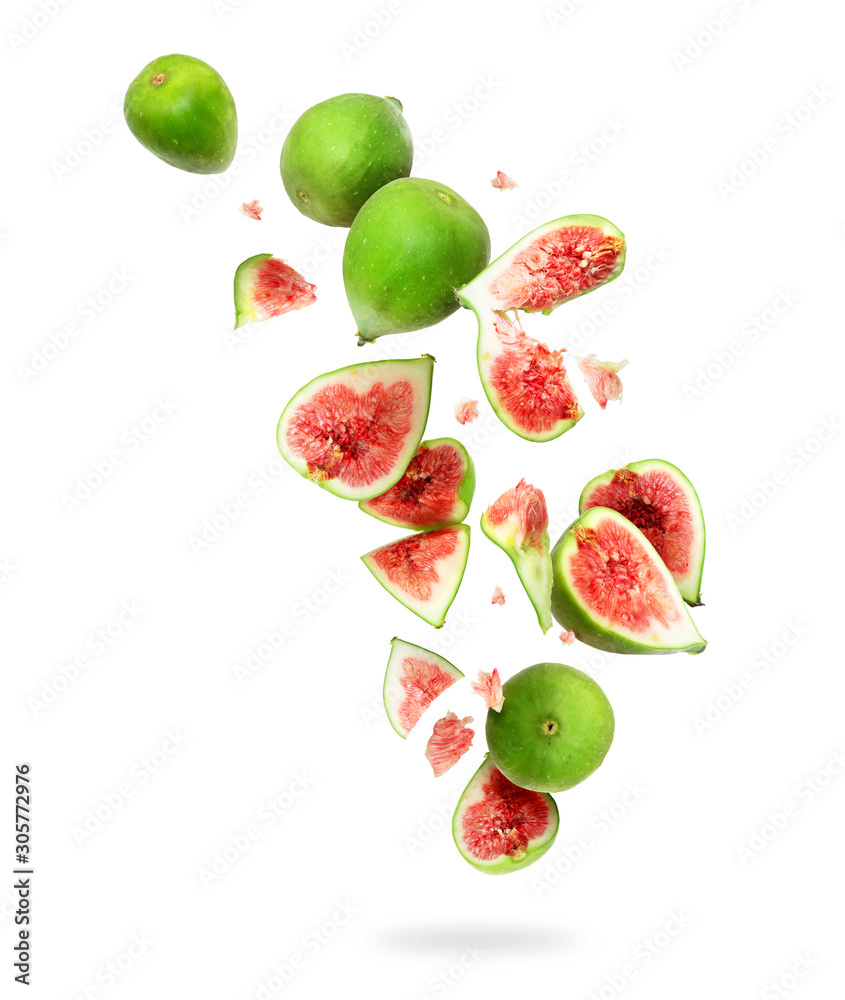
pixel 341 151
pixel 181 110
pixel 410 246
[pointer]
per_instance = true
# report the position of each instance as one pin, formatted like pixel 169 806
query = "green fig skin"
pixel 341 151
pixel 410 246
pixel 554 729
pixel 181 110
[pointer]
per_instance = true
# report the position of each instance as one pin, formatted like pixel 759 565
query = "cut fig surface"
pixel 423 571
pixel 613 590
pixel 354 431
pixel 659 499
pixel 414 678
pixel 526 383
pixel 435 490
pixel 265 286
pixel 499 827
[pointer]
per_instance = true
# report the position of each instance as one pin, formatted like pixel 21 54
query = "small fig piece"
pixel 266 286
pixel 449 741
pixel 602 378
pixel 518 522
pixel 414 678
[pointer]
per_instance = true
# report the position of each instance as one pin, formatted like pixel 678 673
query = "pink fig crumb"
pixel 448 743
pixel 252 210
pixel 567 638
pixel 489 686
pixel 466 410
pixel 502 182
pixel 602 378
pixel 498 597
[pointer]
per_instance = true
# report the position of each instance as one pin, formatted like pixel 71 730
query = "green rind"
pixel 437 621
pixel 339 152
pixel 244 280
pixel 389 676
pixel 584 716
pixel 411 244
pixel 690 589
pixel 534 570
pixel 569 612
pixel 333 486
pixel 188 120
pixel 506 865
pixel 463 497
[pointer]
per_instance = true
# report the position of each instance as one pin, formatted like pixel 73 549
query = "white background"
pixel 599 106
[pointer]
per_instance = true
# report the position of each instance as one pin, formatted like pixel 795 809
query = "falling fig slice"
pixel 449 741
pixel 489 687
pixel 613 590
pixel 414 678
pixel 659 499
pixel 518 522
pixel 423 571
pixel 266 286
pixel 354 431
pixel 524 380
pixel 435 490
pixel 499 827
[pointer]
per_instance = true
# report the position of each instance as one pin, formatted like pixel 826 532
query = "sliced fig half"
pixel 414 678
pixel 518 522
pixel 499 827
pixel 435 490
pixel 613 590
pixel 354 431
pixel 423 571
pixel 265 286
pixel 659 499
pixel 524 380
